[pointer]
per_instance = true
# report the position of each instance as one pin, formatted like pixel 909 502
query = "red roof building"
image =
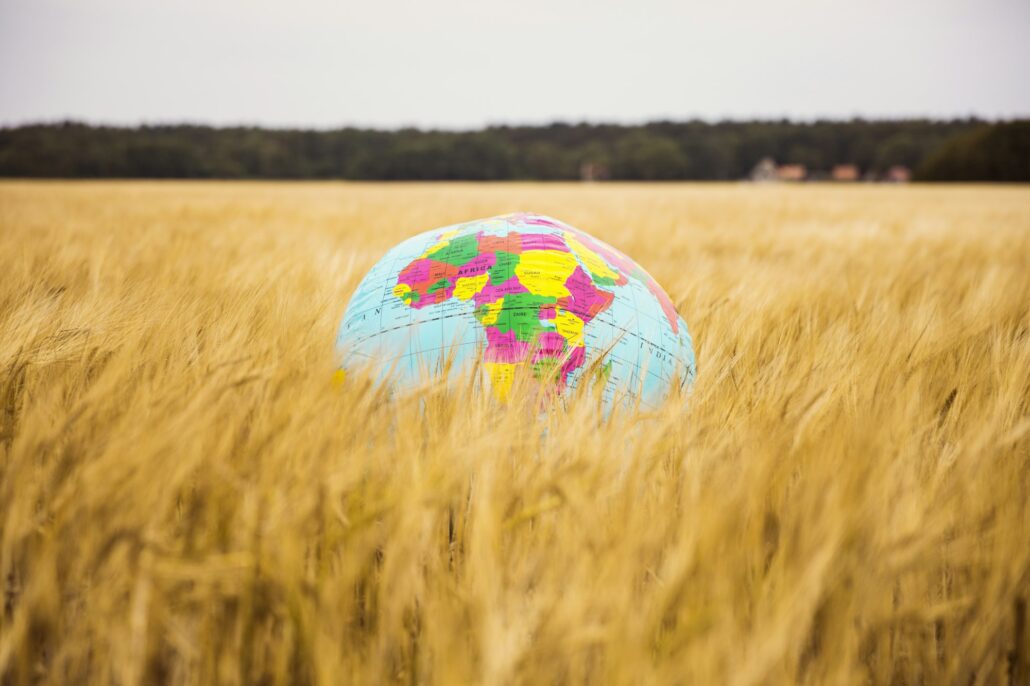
pixel 791 172
pixel 845 172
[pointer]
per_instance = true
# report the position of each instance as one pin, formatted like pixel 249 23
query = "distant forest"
pixel 959 150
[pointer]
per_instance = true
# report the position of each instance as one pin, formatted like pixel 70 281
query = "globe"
pixel 521 294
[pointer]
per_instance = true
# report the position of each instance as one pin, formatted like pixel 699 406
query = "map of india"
pixel 529 294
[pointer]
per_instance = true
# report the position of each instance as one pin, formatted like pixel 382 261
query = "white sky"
pixel 465 63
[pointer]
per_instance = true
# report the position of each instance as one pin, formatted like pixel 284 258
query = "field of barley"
pixel 186 497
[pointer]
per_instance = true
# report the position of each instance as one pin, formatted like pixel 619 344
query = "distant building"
pixel 765 170
pixel 898 174
pixel 845 172
pixel 593 171
pixel 791 172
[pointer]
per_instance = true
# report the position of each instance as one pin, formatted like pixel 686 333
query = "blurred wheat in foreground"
pixel 185 497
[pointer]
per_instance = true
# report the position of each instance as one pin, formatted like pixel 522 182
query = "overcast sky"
pixel 465 63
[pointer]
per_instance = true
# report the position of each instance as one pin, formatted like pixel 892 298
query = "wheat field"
pixel 186 496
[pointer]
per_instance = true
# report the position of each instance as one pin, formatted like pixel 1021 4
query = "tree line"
pixel 965 149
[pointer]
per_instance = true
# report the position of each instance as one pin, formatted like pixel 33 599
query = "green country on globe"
pixel 522 294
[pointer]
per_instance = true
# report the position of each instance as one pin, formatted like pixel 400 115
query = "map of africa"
pixel 527 294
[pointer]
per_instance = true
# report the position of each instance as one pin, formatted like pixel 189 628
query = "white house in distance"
pixel 765 170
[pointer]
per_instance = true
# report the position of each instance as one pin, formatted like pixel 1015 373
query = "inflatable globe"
pixel 522 294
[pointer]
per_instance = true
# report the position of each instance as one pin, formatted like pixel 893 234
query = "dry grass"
pixel 184 496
